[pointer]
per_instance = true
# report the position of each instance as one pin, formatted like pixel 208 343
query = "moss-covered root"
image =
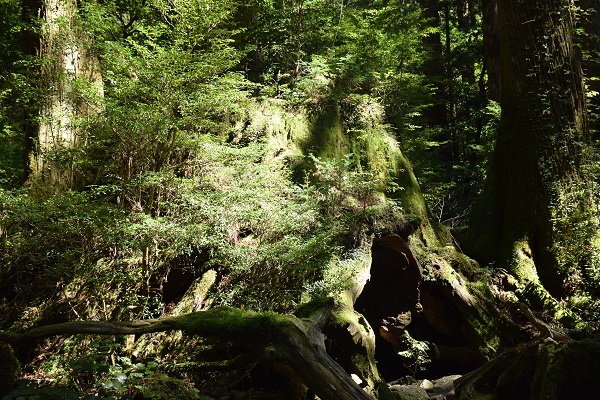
pixel 542 370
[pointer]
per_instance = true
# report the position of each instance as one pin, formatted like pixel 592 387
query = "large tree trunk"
pixel 590 22
pixel 67 64
pixel 534 211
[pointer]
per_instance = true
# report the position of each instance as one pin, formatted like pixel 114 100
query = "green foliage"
pixel 383 49
pixel 11 153
pixel 83 360
pixel 240 211
pixel 125 377
pixel 304 50
pixel 28 390
pixel 48 237
pixel 340 274
pixel 17 92
pixel 344 188
pixel 166 79
pixel 449 132
pixel 574 212
pixel 415 354
pixel 113 381
pixel 280 36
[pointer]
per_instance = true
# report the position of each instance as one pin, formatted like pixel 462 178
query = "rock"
pixel 409 392
pixel 405 380
pixel 356 379
pixel 445 383
pixel 426 384
pixel 444 386
pixel 438 397
pixel 439 389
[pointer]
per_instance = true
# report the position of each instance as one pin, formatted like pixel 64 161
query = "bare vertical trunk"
pixel 467 22
pixel 450 89
pixel 433 67
pixel 66 60
pixel 491 44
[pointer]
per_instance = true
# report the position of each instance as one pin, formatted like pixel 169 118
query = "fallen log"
pixel 291 345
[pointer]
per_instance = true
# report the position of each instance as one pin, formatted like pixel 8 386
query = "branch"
pixel 95 327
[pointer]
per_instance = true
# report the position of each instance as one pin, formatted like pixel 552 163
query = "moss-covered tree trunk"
pixel 533 218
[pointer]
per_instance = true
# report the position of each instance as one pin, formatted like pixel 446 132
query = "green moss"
pixel 327 139
pixel 523 265
pixel 197 293
pixel 229 323
pixel 306 310
pixel 365 370
pixel 496 330
pixel 539 298
pixel 543 378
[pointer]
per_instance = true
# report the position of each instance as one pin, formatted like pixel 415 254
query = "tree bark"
pixel 536 197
